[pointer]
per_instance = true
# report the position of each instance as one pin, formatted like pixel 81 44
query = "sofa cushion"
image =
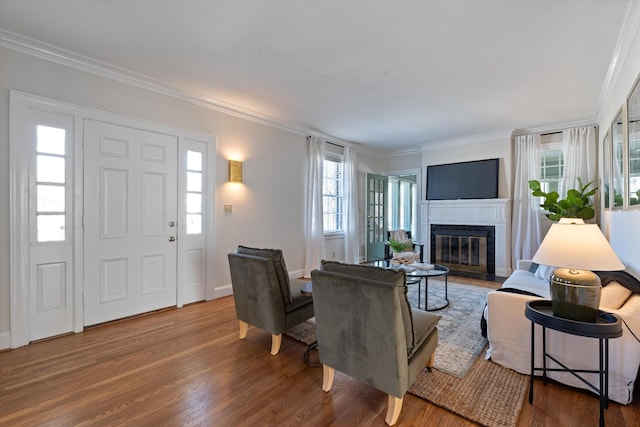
pixel 278 262
pixel 423 324
pixel 544 271
pixel 397 277
pixel 613 296
pixel 525 281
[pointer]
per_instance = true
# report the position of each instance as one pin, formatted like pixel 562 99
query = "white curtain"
pixel 579 152
pixel 351 226
pixel 525 228
pixel 314 231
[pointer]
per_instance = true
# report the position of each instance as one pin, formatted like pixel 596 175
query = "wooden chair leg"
pixel 431 361
pixel 244 326
pixel 276 342
pixel 393 409
pixel 327 377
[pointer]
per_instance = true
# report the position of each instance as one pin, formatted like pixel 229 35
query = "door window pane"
pixel 194 224
pixel 194 203
pixel 50 169
pixel 194 182
pixel 51 198
pixel 194 161
pixel 51 228
pixel 50 140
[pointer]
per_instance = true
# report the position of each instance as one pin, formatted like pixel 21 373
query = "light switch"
pixel 228 208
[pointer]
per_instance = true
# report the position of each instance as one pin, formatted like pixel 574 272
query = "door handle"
pixel 172 224
pixel 172 239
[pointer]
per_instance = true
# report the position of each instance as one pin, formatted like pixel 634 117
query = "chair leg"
pixel 276 342
pixel 244 326
pixel 393 410
pixel 431 361
pixel 327 377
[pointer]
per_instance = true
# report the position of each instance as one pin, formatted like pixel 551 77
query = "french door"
pixel 377 194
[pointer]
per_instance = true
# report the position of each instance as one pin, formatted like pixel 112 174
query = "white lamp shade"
pixel 579 246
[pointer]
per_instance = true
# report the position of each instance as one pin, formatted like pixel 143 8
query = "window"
pixel 332 195
pixel 194 192
pixel 51 212
pixel 551 170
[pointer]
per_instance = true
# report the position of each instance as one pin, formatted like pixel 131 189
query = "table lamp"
pixel 576 248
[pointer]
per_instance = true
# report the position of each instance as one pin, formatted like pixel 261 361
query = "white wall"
pixel 623 226
pixel 268 209
pixel 485 147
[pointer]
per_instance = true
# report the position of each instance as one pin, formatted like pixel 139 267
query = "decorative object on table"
pixel 577 204
pixel 401 248
pixel 576 248
pixel 402 251
pixel 423 266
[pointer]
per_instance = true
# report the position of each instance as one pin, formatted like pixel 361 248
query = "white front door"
pixel 130 221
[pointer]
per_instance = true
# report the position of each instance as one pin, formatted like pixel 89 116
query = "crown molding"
pixel 51 53
pixel 448 143
pixel 628 32
pixel 557 127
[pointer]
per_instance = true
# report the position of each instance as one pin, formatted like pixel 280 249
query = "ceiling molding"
pixel 447 143
pixel 51 53
pixel 558 127
pixel 628 32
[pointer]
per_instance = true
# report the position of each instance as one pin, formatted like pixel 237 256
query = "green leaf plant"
pixel 576 205
pixel 398 246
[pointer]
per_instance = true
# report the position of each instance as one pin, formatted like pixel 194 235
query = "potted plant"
pixel 398 246
pixel 576 205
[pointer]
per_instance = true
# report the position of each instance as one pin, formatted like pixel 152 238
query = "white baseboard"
pixel 5 340
pixel 295 274
pixel 222 292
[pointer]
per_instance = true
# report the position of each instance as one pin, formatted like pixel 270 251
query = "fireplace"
pixel 464 248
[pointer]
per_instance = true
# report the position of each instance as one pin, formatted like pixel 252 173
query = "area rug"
pixel 459 338
pixel 489 394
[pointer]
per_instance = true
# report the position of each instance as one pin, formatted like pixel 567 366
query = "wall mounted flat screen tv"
pixel 466 180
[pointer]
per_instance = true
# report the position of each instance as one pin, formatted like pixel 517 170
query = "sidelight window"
pixel 194 192
pixel 51 184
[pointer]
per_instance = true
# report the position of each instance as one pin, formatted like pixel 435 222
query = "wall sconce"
pixel 235 171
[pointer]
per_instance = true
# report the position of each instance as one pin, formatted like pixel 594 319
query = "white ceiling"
pixel 387 74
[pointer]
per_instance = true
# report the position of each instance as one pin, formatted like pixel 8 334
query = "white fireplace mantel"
pixel 492 212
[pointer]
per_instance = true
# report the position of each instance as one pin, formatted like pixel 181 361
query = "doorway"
pixel 392 203
pixel 105 209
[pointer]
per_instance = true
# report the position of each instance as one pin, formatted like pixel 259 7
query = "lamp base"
pixel 575 294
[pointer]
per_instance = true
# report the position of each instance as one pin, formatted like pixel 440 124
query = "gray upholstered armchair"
pixel 264 295
pixel 367 329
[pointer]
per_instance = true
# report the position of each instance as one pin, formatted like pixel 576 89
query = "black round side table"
pixel 606 326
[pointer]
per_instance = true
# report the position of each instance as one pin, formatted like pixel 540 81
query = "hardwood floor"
pixel 184 367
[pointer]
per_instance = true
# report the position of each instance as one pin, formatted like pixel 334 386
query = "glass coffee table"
pixel 415 276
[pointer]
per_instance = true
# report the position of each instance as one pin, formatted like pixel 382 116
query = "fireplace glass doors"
pixel 464 248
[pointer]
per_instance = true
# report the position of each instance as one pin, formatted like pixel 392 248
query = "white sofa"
pixel 509 333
